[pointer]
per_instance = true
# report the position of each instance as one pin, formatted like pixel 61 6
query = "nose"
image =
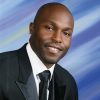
pixel 57 37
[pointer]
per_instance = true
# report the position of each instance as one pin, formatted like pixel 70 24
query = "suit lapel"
pixel 26 81
pixel 56 90
pixel 29 89
pixel 59 84
pixel 59 92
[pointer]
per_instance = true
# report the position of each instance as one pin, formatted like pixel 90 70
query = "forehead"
pixel 57 15
pixel 53 11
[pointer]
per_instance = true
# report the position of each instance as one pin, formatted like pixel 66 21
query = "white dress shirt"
pixel 37 66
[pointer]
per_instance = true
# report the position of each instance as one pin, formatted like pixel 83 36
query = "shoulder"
pixel 12 54
pixel 10 59
pixel 7 57
pixel 64 75
pixel 7 54
pixel 63 72
pixel 8 68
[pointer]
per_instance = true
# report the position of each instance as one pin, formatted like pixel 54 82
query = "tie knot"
pixel 45 75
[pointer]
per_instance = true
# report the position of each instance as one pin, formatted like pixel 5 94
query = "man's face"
pixel 51 36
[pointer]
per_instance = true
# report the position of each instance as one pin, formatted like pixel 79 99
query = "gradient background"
pixel 83 58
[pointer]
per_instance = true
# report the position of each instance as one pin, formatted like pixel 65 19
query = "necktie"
pixel 51 89
pixel 43 86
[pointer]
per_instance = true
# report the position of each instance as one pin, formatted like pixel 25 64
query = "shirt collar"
pixel 36 63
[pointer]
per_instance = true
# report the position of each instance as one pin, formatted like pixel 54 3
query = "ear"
pixel 31 28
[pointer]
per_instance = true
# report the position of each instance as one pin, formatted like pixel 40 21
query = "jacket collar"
pixel 59 76
pixel 26 81
pixel 24 65
pixel 60 83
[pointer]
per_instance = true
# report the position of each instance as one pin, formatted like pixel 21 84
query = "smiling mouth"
pixel 53 49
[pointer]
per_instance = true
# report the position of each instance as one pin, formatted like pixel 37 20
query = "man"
pixel 50 39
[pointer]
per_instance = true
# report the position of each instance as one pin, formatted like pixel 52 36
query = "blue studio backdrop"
pixel 83 58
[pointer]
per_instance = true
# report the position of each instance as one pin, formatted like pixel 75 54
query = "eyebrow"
pixel 55 25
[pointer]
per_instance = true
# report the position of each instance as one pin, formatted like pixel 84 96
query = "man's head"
pixel 51 32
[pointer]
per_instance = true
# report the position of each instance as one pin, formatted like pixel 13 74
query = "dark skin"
pixel 51 34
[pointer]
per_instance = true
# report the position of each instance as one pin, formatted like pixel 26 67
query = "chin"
pixel 51 60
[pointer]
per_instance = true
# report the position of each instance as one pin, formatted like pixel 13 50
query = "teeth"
pixel 53 50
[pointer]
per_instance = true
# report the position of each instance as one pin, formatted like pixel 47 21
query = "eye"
pixel 49 27
pixel 66 33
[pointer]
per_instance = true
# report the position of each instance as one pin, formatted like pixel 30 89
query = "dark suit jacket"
pixel 17 81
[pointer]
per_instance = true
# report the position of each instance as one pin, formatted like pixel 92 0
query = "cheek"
pixel 67 43
pixel 43 37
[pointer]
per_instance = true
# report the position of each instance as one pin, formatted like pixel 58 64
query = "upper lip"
pixel 55 46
